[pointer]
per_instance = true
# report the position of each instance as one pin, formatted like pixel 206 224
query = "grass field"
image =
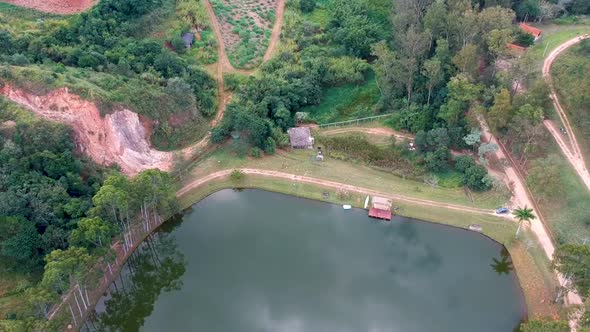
pixel 350 101
pixel 23 20
pixel 554 35
pixel 570 74
pixel 568 214
pixel 302 162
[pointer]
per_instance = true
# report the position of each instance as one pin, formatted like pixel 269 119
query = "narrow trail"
pixel 223 61
pixel 225 66
pixel 382 131
pixel 275 36
pixel 331 184
pixel 570 147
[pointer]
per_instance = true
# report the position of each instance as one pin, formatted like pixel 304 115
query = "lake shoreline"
pixel 531 268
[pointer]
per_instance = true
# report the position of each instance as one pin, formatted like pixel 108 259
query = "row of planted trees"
pixel 125 211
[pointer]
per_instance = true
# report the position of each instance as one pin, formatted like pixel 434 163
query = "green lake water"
pixel 255 261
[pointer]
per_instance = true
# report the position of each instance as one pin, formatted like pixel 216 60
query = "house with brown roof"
pixel 531 30
pixel 515 49
pixel 300 138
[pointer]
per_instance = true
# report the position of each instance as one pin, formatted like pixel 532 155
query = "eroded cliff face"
pixel 118 138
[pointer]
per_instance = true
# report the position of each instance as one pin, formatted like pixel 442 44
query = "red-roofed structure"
pixel 516 49
pixel 531 30
pixel 380 214
pixel 381 208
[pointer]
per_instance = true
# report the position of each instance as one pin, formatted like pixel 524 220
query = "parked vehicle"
pixel 501 210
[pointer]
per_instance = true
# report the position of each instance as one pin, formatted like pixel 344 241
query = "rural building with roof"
pixel 188 39
pixel 300 138
pixel 381 208
pixel 531 30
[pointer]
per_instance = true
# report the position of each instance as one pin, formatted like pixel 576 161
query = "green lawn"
pixel 350 101
pixel 554 35
pixel 23 20
pixel 302 162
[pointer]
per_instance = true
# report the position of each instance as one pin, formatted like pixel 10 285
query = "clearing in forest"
pixel 246 29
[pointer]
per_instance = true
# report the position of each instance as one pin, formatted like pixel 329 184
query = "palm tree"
pixel 523 215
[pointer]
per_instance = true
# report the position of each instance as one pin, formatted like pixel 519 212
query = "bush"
pixel 19 60
pixel 236 175
pixel 524 39
pixel 307 6
pixel 256 152
pixel 233 80
pixel 462 163
pixel 178 45
pixel 476 178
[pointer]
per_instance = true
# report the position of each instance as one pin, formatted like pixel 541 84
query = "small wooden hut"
pixel 300 138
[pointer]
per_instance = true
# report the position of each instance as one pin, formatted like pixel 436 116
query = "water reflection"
pixel 504 264
pixel 264 262
pixel 156 267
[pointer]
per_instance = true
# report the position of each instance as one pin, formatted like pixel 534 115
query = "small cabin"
pixel 515 49
pixel 380 208
pixel 536 33
pixel 188 39
pixel 300 138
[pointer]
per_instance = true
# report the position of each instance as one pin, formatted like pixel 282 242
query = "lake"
pixel 254 261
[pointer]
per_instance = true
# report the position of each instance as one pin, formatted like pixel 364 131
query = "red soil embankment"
pixel 118 138
pixel 63 7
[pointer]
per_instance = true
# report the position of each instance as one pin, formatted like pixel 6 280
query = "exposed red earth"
pixel 63 7
pixel 118 138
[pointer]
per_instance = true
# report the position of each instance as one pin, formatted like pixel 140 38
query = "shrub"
pixel 178 45
pixel 476 177
pixel 307 6
pixel 462 163
pixel 236 175
pixel 256 152
pixel 19 60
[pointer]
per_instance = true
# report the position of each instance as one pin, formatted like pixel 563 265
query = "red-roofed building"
pixel 515 49
pixel 531 30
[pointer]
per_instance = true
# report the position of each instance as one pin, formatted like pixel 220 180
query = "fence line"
pixel 354 121
pixel 79 302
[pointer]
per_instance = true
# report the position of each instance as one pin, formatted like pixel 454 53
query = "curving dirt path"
pixel 275 35
pixel 381 131
pixel 569 146
pixel 223 61
pixel 523 197
pixel 331 184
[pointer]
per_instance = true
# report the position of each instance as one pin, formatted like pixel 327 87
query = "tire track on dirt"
pixel 326 183
pixel 571 149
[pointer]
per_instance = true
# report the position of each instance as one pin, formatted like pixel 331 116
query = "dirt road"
pixel 275 36
pixel 522 197
pixel 568 144
pixel 382 131
pixel 331 184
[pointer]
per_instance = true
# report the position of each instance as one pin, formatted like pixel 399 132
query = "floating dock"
pixel 380 214
pixel 380 208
